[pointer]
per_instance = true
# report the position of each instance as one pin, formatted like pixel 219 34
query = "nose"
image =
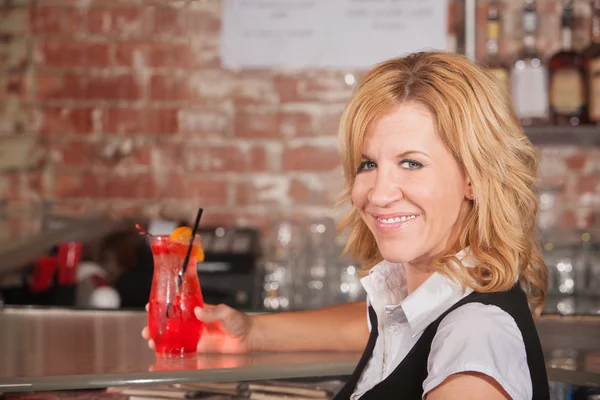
pixel 385 190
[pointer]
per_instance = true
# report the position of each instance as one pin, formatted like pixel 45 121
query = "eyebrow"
pixel 401 155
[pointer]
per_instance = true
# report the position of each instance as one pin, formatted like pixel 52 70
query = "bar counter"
pixel 56 349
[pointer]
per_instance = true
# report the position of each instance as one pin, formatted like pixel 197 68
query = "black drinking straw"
pixel 179 280
pixel 189 250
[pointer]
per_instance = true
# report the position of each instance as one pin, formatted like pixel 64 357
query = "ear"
pixel 469 194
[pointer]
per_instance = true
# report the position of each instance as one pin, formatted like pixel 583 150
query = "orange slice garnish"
pixel 184 233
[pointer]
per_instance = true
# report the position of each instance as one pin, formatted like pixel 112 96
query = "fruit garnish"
pixel 184 233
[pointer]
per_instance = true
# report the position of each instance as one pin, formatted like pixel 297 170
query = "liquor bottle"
pixel 529 75
pixel 492 59
pixel 567 76
pixel 591 55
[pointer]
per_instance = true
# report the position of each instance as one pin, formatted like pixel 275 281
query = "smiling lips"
pixel 390 223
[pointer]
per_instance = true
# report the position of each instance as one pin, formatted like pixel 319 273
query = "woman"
pixel 440 177
pixel 441 180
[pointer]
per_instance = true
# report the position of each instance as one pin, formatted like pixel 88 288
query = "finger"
pixel 147 307
pixel 210 343
pixel 211 314
pixel 146 333
pixel 151 344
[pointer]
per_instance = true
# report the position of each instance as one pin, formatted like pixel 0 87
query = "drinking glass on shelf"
pixel 281 265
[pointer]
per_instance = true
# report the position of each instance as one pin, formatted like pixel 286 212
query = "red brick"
pixel 170 55
pixel 70 183
pixel 140 121
pixel 256 124
pixel 264 190
pixel 167 87
pixel 273 123
pixel 167 154
pixel 284 191
pixel 310 158
pixel 68 54
pixel 184 22
pixel 21 186
pixel 577 161
pixel 321 86
pixel 256 87
pixel 211 87
pixel 15 84
pixel 132 186
pixel 47 86
pixel 587 184
pixel 582 219
pixel 76 152
pixel 143 154
pixel 115 87
pixel 205 192
pixel 206 121
pixel 299 123
pixel 206 51
pixel 331 121
pixel 127 51
pixel 223 158
pixel 66 120
pixel 304 194
pixel 163 121
pixel 46 20
pixel 118 21
pixel 194 53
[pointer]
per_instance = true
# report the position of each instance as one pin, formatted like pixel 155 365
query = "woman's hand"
pixel 226 331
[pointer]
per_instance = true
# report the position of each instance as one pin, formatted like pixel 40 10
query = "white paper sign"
pixel 329 33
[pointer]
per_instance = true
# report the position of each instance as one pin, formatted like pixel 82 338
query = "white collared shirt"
pixel 474 337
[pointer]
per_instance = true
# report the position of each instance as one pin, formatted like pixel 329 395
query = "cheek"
pixel 439 195
pixel 359 193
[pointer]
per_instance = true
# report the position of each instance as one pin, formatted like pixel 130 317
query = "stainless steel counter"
pixel 51 349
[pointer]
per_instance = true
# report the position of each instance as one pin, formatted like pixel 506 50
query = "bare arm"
pixel 337 328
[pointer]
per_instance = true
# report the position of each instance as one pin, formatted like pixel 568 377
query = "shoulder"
pixel 480 338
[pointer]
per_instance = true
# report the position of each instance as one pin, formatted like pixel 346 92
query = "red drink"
pixel 177 333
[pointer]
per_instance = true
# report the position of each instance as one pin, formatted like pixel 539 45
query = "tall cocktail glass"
pixel 171 320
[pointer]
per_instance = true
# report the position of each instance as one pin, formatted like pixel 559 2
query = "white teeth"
pixel 397 219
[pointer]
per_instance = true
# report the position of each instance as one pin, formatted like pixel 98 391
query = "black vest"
pixel 406 381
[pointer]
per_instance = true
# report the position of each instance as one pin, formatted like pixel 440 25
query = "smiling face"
pixel 409 190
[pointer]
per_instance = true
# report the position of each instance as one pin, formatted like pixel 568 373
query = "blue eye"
pixel 366 165
pixel 411 164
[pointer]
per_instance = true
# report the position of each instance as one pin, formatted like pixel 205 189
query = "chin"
pixel 394 254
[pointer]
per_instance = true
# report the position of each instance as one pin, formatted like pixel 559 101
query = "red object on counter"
pixel 69 255
pixel 43 274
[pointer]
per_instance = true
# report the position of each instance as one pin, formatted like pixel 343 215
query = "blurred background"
pixel 117 116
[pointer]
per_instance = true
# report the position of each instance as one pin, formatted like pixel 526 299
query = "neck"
pixel 415 276
pixel 418 270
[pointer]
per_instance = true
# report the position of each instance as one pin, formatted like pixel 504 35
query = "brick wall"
pixel 121 105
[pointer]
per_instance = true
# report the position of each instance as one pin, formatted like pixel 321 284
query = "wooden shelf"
pixel 552 135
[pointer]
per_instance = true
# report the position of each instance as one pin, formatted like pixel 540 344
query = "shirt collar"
pixel 386 287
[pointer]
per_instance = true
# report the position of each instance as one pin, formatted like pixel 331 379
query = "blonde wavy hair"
pixel 475 119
